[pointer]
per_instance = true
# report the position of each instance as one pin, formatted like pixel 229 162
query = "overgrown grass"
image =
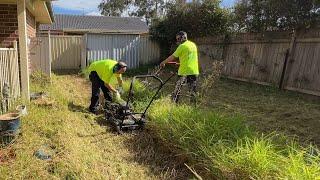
pixel 225 146
pixel 81 146
pixel 218 143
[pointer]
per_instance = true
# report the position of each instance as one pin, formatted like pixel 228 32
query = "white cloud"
pixel 83 5
pixel 93 13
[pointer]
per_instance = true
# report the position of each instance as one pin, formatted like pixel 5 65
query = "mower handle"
pixel 146 76
pixel 174 63
pixel 162 83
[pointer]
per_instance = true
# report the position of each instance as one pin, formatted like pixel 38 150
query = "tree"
pixel 113 7
pixel 147 9
pixel 269 15
pixel 198 19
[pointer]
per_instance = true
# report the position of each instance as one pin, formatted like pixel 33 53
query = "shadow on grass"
pixel 76 108
pixel 147 151
pixel 100 119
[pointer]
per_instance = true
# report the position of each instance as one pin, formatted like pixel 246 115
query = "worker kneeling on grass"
pixel 101 73
pixel 187 54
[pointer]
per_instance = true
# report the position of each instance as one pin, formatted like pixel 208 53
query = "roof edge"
pixel 49 6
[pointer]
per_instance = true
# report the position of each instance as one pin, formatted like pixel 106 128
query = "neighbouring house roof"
pixel 96 24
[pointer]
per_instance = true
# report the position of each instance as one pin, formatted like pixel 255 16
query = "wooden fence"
pixel 269 59
pixel 9 77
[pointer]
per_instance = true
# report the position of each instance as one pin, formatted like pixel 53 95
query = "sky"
pixel 90 7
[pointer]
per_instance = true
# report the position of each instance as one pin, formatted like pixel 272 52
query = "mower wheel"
pixel 118 129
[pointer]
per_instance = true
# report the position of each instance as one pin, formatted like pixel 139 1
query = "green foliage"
pixel 271 15
pixel 113 7
pixel 148 9
pixel 197 19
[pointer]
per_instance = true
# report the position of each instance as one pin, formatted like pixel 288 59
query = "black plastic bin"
pixel 9 128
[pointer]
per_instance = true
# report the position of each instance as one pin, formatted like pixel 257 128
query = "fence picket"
pixel 267 56
pixel 9 73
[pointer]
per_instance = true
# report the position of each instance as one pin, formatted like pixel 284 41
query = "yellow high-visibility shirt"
pixel 104 69
pixel 187 53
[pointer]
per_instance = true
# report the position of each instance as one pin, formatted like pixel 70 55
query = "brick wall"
pixel 31 25
pixel 8 24
pixel 31 33
pixel 9 27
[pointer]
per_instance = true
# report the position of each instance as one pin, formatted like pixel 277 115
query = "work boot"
pixel 95 112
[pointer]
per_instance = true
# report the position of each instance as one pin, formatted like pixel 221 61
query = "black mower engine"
pixel 122 117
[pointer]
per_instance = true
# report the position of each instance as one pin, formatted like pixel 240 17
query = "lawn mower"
pixel 122 117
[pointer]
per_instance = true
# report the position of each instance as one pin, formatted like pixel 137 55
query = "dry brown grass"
pixel 81 145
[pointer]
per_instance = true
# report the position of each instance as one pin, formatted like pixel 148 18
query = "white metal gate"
pixel 66 52
pixel 114 46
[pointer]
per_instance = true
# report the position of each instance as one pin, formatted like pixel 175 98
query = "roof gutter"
pixel 98 31
pixel 49 6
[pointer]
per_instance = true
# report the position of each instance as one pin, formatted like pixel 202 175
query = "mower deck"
pixel 122 117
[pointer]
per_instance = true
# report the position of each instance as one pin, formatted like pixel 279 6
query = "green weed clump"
pixel 226 147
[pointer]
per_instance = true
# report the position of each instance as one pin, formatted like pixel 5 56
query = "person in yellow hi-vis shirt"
pixel 187 54
pixel 101 73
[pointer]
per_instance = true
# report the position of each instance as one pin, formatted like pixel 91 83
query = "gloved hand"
pixel 117 98
pixel 120 90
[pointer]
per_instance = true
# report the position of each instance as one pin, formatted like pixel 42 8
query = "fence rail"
pixel 9 78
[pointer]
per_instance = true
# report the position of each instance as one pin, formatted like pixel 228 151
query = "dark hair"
pixel 118 66
pixel 182 36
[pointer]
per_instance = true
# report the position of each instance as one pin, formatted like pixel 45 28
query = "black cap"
pixel 181 33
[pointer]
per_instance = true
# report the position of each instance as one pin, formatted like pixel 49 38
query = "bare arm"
pixel 169 59
pixel 120 82
pixel 112 89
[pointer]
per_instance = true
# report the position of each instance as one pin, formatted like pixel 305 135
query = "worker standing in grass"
pixel 101 73
pixel 187 54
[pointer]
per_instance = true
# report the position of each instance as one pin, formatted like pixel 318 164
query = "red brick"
pixel 4 12
pixel 4 35
pixel 13 20
pixel 10 24
pixel 12 7
pixel 13 15
pixel 13 28
pixel 5 5
pixel 14 35
pixel 9 39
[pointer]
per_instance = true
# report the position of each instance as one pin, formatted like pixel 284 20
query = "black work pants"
pixel 97 84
